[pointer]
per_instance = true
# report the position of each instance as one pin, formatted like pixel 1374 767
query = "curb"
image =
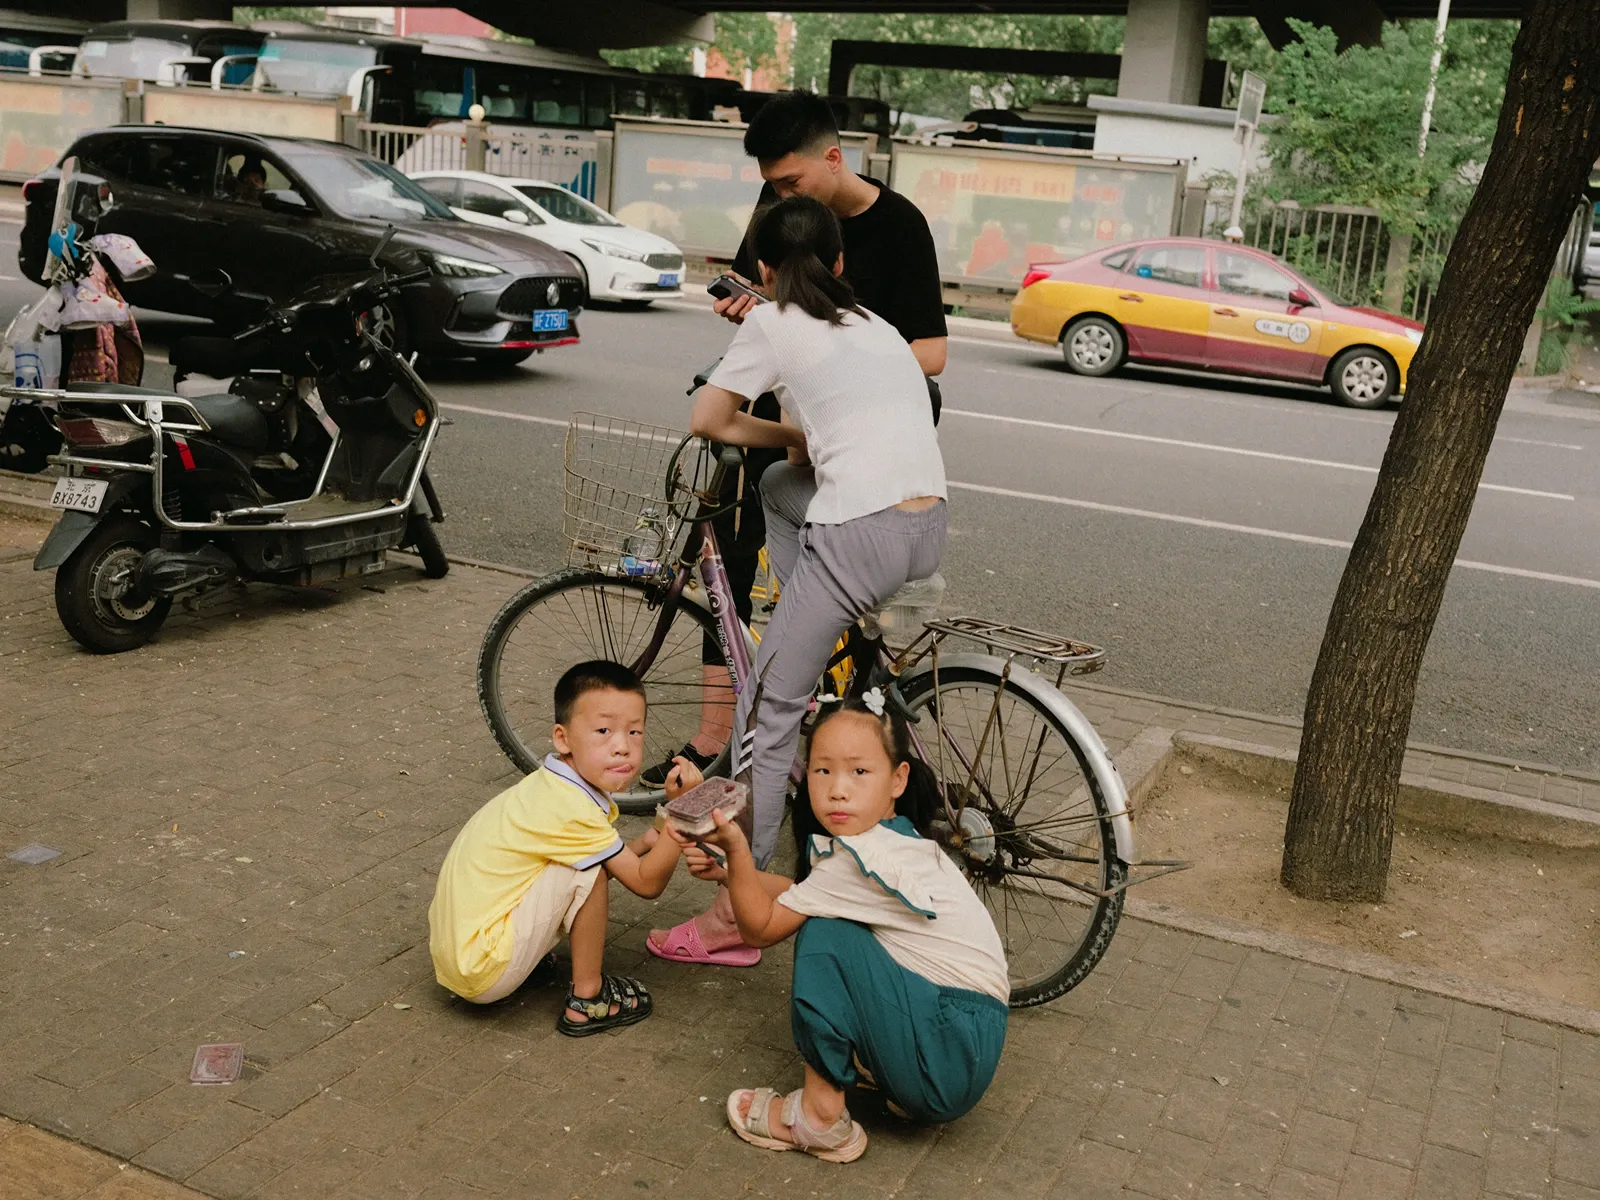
pixel 1325 954
pixel 1370 966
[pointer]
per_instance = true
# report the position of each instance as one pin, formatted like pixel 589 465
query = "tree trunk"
pixel 1358 711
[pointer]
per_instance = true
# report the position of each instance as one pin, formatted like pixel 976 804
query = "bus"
pixel 398 80
pixel 416 82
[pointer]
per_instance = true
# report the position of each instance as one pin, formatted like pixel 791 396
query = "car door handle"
pixel 1224 312
pixel 1133 296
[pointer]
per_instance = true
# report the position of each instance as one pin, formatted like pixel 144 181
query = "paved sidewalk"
pixel 251 811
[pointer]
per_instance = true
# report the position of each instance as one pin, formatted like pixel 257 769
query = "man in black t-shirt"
pixel 889 262
pixel 889 258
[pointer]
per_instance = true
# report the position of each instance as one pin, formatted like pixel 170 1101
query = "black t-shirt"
pixel 889 261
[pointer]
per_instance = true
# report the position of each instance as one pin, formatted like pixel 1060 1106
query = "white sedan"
pixel 617 262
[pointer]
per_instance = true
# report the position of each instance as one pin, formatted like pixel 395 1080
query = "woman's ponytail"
pixel 800 241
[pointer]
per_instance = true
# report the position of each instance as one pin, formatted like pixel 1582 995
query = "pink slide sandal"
pixel 683 945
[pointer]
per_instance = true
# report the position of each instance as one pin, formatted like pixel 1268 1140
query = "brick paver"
pixel 251 811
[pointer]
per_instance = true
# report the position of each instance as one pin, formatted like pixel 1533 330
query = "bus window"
pixel 317 68
pixel 557 98
pixel 503 92
pixel 633 100
pixel 597 102
pixel 438 89
pixel 129 58
pixel 668 99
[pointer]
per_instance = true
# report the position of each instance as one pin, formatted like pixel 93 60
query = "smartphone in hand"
pixel 726 287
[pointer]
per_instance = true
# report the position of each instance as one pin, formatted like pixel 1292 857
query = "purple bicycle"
pixel 1035 812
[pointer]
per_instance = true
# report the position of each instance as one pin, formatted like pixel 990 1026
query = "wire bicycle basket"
pixel 626 492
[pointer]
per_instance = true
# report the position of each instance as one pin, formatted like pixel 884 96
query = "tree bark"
pixel 1358 711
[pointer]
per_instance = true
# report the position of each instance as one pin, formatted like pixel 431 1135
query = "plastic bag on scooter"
pixel 37 364
pixel 87 303
pixel 132 263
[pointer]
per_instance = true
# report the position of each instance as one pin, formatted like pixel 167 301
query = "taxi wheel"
pixel 1362 377
pixel 1093 346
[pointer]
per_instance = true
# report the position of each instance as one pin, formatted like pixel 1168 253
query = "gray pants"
pixel 830 575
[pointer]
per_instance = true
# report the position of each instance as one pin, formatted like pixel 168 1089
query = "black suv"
pixel 275 212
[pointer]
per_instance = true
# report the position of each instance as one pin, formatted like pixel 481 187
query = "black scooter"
pixel 310 468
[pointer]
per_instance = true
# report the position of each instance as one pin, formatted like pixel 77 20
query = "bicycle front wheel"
pixel 1034 836
pixel 572 616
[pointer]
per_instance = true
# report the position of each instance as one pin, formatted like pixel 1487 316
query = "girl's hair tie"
pixel 874 701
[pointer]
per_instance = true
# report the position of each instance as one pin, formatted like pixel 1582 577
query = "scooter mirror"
pixel 212 283
pixel 383 244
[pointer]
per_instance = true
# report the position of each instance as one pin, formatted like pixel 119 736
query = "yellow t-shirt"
pixel 552 816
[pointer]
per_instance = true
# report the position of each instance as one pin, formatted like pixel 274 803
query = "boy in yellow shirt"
pixel 527 866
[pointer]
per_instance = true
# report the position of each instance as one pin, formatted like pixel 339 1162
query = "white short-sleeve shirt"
pixel 858 393
pixel 915 900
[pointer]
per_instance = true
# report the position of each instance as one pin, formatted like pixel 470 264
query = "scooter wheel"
pixel 95 594
pixel 420 535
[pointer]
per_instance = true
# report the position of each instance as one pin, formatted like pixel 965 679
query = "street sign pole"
pixel 1252 91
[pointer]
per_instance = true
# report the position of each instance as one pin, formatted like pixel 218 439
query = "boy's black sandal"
pixel 629 995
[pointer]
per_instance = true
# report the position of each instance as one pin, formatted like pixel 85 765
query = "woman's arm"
pixel 931 354
pixel 798 455
pixel 717 416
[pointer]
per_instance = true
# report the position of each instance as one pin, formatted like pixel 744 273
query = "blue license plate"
pixel 549 320
pixel 667 281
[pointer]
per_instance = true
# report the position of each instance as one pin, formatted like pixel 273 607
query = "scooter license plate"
pixel 549 320
pixel 84 495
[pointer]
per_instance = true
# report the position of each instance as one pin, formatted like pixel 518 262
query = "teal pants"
pixel 932 1050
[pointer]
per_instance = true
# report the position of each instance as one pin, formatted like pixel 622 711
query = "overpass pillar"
pixel 180 10
pixel 1164 51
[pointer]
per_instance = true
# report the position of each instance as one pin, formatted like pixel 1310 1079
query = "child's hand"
pixel 727 835
pixel 702 865
pixel 684 776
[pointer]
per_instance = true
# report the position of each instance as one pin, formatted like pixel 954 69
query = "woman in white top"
pixel 857 512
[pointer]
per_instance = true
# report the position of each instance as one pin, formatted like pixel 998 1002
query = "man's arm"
pixel 931 353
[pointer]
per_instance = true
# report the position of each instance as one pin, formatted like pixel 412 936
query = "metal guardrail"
pixel 579 164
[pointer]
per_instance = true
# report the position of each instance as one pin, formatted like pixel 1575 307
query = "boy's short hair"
pixel 794 121
pixel 596 675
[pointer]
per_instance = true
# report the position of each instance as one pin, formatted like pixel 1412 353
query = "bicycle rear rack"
pixel 1077 658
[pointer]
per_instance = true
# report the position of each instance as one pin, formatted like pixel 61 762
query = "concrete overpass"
pixel 1163 56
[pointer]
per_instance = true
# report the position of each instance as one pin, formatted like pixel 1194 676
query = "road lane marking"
pixel 510 416
pixel 1282 535
pixel 1537 442
pixel 1216 449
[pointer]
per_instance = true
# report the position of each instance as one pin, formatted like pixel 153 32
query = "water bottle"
pixel 900 619
pixel 27 370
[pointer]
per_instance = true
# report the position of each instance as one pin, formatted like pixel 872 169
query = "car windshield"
pixel 129 58
pixel 564 206
pixel 322 68
pixel 364 187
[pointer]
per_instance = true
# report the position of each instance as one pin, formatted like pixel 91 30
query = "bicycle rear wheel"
pixel 1035 836
pixel 575 615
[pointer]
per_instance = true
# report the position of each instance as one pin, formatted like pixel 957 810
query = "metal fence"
pixel 1347 249
pixel 581 165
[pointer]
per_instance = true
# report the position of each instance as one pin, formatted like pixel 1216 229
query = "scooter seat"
pixel 221 357
pixel 236 421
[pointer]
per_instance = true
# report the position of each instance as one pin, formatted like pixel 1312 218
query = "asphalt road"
pixel 1195 526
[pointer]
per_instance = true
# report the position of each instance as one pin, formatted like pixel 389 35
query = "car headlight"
pixel 612 250
pixel 1414 336
pixel 462 268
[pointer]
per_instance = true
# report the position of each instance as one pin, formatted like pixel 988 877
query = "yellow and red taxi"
pixel 1185 302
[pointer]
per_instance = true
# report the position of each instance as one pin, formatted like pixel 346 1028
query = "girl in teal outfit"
pixel 900 978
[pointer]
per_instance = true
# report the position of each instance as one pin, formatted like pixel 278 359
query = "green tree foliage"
pixel 279 12
pixel 1348 123
pixel 744 39
pixel 952 94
